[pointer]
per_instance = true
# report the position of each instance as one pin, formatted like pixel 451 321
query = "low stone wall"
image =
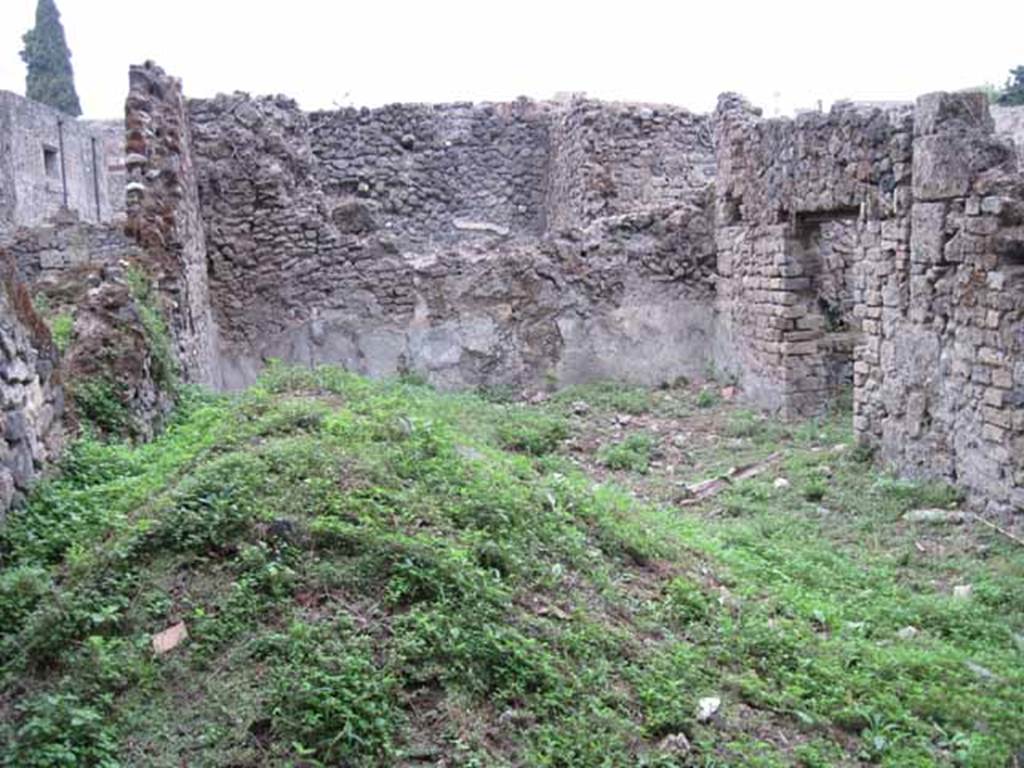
pixel 66 245
pixel 31 393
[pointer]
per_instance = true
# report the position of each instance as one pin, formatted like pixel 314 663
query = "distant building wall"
pixel 111 133
pixel 50 161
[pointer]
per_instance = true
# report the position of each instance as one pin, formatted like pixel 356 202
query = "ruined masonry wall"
pixel 163 216
pixel 31 395
pixel 802 207
pixel 945 396
pixel 535 242
pixel 891 242
pixel 432 172
pixel 361 237
pixel 609 159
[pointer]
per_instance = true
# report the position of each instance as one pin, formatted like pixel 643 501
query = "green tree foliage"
pixel 1013 93
pixel 50 78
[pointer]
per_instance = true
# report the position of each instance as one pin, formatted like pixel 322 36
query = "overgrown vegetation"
pixel 99 406
pixel 62 329
pixel 158 337
pixel 377 574
pixel 61 324
pixel 534 432
pixel 632 454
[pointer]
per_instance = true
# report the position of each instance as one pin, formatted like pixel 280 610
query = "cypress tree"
pixel 1013 93
pixel 50 78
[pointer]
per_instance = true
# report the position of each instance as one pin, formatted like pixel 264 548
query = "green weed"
pixel 632 454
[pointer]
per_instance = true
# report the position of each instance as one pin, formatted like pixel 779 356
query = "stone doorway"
pixel 824 249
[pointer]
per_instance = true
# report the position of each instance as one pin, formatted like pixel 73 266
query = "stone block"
pixel 964 112
pixel 941 167
pixel 928 233
pixel 994 433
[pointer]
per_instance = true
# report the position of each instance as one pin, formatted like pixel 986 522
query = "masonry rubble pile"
pixel 525 243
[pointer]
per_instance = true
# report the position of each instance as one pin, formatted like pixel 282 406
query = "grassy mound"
pixel 376 574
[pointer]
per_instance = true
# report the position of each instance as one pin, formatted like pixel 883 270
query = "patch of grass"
pixel 532 432
pixel 760 429
pixel 608 396
pixel 632 454
pixel 329 697
pixel 62 729
pixel 707 398
pixel 62 329
pixel 814 489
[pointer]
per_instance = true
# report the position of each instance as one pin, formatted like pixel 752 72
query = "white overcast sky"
pixel 782 55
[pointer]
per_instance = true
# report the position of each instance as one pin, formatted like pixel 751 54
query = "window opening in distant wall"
pixel 50 165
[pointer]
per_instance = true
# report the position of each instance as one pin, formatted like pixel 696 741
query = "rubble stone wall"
pixel 945 397
pixel 31 393
pixel 609 159
pixel 435 173
pixel 162 207
pixel 416 238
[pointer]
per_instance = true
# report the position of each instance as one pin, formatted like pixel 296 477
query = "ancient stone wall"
pixel 801 206
pixel 611 158
pixel 162 206
pixel 49 161
pixel 415 239
pixel 873 247
pixel 945 395
pixel 433 174
pixel 31 394
pixel 886 243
